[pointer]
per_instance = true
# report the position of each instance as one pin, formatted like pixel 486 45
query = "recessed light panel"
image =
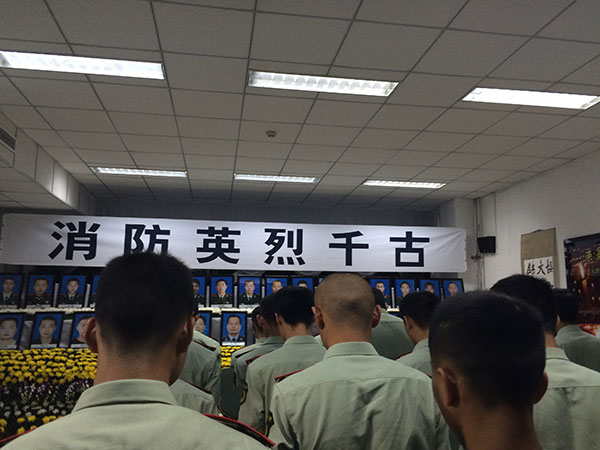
pixel 532 98
pixel 404 184
pixel 274 178
pixel 140 172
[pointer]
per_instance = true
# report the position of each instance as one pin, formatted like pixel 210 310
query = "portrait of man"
pixel 71 292
pixel 11 289
pixel 432 286
pixel 248 287
pixel 403 288
pixel 40 290
pixel 222 292
pixel 46 330
pixel 203 321
pixel 383 286
pixel 198 287
pixel 92 302
pixel 10 330
pixel 275 284
pixel 233 329
pixel 303 282
pixel 452 287
pixel 79 321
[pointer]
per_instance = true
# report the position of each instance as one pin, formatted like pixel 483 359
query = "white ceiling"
pixel 204 119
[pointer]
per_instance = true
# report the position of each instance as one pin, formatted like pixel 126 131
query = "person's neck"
pixel 550 341
pixel 46 340
pixel 113 367
pixel 417 334
pixel 338 336
pixel 9 341
pixel 271 330
pixel 500 429
pixel 287 331
pixel 560 325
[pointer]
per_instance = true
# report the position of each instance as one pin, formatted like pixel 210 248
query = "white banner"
pixel 92 241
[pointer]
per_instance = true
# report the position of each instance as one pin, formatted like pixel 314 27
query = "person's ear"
pixel 90 334
pixel 318 317
pixel 376 316
pixel 448 387
pixel 279 320
pixel 408 323
pixel 260 321
pixel 186 333
pixel 542 389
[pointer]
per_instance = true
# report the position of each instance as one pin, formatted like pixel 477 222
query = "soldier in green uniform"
pixel 417 310
pixel 293 310
pixel 190 396
pixel 581 347
pixel 486 380
pixel 567 416
pixel 141 331
pixel 354 398
pixel 389 336
pixel 202 366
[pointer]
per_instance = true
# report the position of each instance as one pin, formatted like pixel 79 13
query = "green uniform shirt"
pixel 243 360
pixel 132 414
pixel 419 358
pixel 389 337
pixel 356 399
pixel 297 353
pixel 191 397
pixel 202 366
pixel 568 415
pixel 582 348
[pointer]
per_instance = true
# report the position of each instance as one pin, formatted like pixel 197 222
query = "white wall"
pixel 566 198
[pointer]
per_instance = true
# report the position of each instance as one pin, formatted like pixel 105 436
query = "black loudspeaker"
pixel 486 244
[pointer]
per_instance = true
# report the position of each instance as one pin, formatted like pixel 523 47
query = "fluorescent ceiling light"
pixel 312 83
pixel 79 64
pixel 404 184
pixel 532 98
pixel 274 178
pixel 140 172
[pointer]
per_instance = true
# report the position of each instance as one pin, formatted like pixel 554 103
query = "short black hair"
pixel 142 299
pixel 255 313
pixel 379 298
pixel 249 280
pixel 276 281
pixel 496 342
pixel 41 278
pixel 73 279
pixel 419 306
pixel 267 309
pixel 86 317
pixel 9 278
pixel 294 305
pixel 406 283
pixel 429 283
pixel 194 281
pixel 219 280
pixel 14 319
pixel 534 291
pixel 567 305
pixel 52 318
pixel 233 315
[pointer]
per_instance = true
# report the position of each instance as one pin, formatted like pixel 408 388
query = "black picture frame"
pixel 6 328
pixel 226 301
pixel 205 315
pixel 243 335
pixel 79 320
pixel 44 300
pixel 38 318
pixel 64 299
pixel 12 298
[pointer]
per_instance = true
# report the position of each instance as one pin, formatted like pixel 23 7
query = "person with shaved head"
pixel 354 398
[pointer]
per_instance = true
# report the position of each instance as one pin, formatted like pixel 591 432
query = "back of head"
pixel 379 298
pixel 535 292
pixel 294 305
pixel 142 300
pixel 567 305
pixel 347 299
pixel 267 309
pixel 419 306
pixel 495 342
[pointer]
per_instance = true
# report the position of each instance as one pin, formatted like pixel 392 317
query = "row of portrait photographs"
pixel 233 326
pixel 442 288
pixel 45 331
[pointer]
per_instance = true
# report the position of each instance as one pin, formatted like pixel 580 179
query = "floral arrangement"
pixel 38 386
pixel 226 352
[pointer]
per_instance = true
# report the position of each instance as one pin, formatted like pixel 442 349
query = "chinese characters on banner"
pixel 538 250
pixel 540 268
pixel 93 241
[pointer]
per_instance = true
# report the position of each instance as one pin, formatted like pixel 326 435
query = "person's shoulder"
pixel 563 373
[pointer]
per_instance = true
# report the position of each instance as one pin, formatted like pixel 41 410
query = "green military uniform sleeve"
pixel 193 398
pixel 252 411
pixel 280 431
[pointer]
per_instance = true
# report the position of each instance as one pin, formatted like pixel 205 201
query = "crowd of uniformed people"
pixel 496 370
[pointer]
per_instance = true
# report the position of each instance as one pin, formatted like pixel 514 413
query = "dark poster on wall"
pixel 582 262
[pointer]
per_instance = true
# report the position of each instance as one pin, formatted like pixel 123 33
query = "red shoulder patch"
pixel 243 428
pixel 404 354
pixel 283 377
pixel 248 361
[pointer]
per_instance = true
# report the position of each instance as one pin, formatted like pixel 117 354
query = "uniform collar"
pixel 424 344
pixel 126 391
pixel 555 353
pixel 260 340
pixel 351 348
pixel 300 340
pixel 569 329
pixel 273 340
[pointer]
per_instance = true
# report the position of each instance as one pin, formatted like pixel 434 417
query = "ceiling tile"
pixel 208 128
pixel 392 172
pixel 293 188
pixel 276 109
pixel 495 187
pixel 315 152
pixel 10 174
pixel 62 154
pixel 582 128
pixel 430 141
pixel 45 137
pixel 466 121
pixel 416 158
pixel 410 193
pixel 494 145
pixel 287 198
pixel 323 190
pixel 537 59
pixel 587 74
pixel 543 147
pixel 486 175
pixel 77 119
pixel 353 169
pixel 217 147
pixel 468 160
pixel 140 99
pixel 208 31
pixel 388 47
pixel 205 72
pixel 405 117
pixel 258 165
pixel 519 176
pixel 106 23
pixel 263 149
pixel 299 39
pixel 28 20
pixel 57 93
pixel 468 53
pixel 432 90
pixel 211 175
pixel 207 104
pixel 158 160
pixel 465 186
pixel 9 95
pixel 507 162
pixel 24 116
pixel 150 124
pixel 337 180
pixel 209 162
pixel 343 9
pixel 578 22
pixel 156 144
pixel 31 198
pixel 580 150
pixel 323 135
pixel 167 183
pixel 255 131
pixel 429 13
pixel 100 141
pixel 383 138
pixel 20 186
pixel 326 112
pixel 315 168
pixel 367 155
pixel 522 124
pixel 111 159
pixel 441 174
pixel 547 164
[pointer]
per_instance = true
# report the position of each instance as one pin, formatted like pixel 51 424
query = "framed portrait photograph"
pixel 76 337
pixel 432 286
pixel 204 321
pixel 45 332
pixel 40 290
pixel 11 290
pixel 452 287
pixel 248 291
pixel 404 286
pixel 92 300
pixel 72 291
pixel 306 282
pixel 382 285
pixel 233 328
pixel 11 328
pixel 199 288
pixel 221 292
pixel 275 283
